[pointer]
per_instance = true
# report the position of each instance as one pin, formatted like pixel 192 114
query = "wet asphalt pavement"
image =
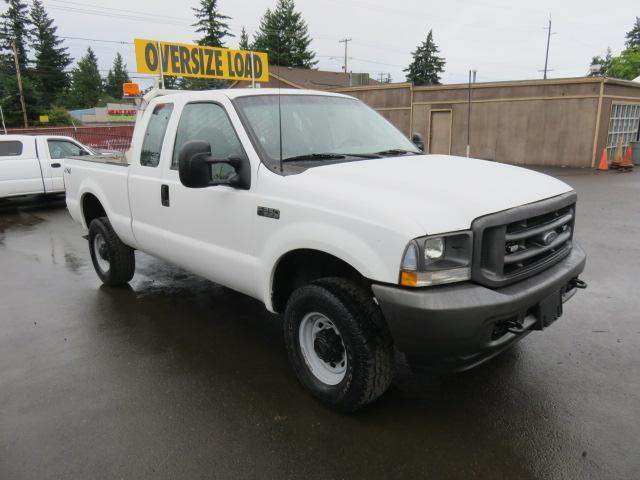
pixel 176 377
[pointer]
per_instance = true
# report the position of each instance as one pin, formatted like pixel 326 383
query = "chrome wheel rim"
pixel 323 349
pixel 101 252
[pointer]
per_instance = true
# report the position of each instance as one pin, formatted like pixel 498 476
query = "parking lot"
pixel 176 377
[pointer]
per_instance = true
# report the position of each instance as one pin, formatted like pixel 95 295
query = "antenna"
pixel 279 103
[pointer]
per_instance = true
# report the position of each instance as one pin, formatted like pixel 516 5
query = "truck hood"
pixel 424 194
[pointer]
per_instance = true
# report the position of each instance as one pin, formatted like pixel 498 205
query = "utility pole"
pixel 472 79
pixel 19 77
pixel 384 77
pixel 4 127
pixel 346 41
pixel 546 57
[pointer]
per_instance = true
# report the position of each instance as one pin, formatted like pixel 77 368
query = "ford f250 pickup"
pixel 316 205
pixel 32 164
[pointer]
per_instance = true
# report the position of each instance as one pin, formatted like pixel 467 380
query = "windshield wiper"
pixel 362 155
pixel 314 156
pixel 395 151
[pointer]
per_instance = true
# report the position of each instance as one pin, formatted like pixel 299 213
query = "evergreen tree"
pixel 213 27
pixel 284 35
pixel 116 77
pixel 244 40
pixel 51 60
pixel 427 65
pixel 211 24
pixel 86 84
pixel 15 26
pixel 600 65
pixel 633 35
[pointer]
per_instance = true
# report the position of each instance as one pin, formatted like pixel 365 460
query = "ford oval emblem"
pixel 549 237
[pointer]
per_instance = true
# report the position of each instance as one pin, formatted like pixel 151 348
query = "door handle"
pixel 164 195
pixel 55 165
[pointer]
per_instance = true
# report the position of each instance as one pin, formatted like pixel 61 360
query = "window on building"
pixel 623 125
pixel 154 136
pixel 208 122
pixel 10 148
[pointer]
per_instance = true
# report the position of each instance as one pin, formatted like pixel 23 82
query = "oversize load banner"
pixel 180 59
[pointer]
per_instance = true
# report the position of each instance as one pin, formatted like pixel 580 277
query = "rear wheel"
pixel 338 343
pixel 113 261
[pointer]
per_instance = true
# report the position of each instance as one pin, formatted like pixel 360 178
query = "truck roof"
pixel 26 137
pixel 246 92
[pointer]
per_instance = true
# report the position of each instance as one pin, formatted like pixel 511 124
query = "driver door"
pixel 208 228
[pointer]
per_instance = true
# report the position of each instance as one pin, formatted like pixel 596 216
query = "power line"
pixel 98 40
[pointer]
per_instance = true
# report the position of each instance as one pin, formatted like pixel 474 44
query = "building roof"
pixel 311 79
pixel 510 83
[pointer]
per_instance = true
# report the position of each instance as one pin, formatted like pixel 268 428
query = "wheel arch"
pixel 303 265
pixel 91 208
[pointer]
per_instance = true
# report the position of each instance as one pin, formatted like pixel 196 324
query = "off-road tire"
pixel 366 339
pixel 122 263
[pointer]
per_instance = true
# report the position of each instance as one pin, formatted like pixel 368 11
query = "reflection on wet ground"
pixel 176 377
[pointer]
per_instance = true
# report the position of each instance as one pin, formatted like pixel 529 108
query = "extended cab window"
pixel 64 148
pixel 10 149
pixel 208 122
pixel 154 136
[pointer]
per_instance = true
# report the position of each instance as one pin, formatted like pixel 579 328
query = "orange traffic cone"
pixel 604 162
pixel 617 156
pixel 627 162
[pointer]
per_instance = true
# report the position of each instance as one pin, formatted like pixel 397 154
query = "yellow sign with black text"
pixel 196 61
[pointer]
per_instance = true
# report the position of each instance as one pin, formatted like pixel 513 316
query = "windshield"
pixel 319 125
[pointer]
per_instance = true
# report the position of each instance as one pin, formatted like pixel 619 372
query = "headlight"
pixel 437 259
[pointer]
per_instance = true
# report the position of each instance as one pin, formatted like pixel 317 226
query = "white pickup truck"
pixel 32 164
pixel 314 204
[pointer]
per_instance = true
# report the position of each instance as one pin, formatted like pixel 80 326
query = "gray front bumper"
pixel 458 321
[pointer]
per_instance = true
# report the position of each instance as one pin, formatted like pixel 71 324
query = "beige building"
pixel 561 122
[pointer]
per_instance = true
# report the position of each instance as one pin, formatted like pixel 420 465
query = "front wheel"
pixel 338 343
pixel 113 261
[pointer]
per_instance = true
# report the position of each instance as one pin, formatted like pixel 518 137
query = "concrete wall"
pixel 537 122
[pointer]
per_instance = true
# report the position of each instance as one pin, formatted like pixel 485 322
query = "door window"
pixel 208 122
pixel 154 136
pixel 10 148
pixel 64 149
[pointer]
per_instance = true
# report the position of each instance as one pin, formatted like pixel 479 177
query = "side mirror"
pixel 418 141
pixel 195 167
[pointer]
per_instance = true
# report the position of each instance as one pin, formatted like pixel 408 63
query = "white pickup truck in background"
pixel 32 164
pixel 317 206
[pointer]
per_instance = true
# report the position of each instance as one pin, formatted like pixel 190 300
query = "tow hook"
pixel 577 283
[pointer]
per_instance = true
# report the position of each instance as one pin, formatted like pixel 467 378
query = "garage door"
pixel 440 131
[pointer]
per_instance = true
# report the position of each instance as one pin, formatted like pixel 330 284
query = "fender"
pixel 339 242
pixel 120 221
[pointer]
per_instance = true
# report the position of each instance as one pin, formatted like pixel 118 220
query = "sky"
pixel 502 40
